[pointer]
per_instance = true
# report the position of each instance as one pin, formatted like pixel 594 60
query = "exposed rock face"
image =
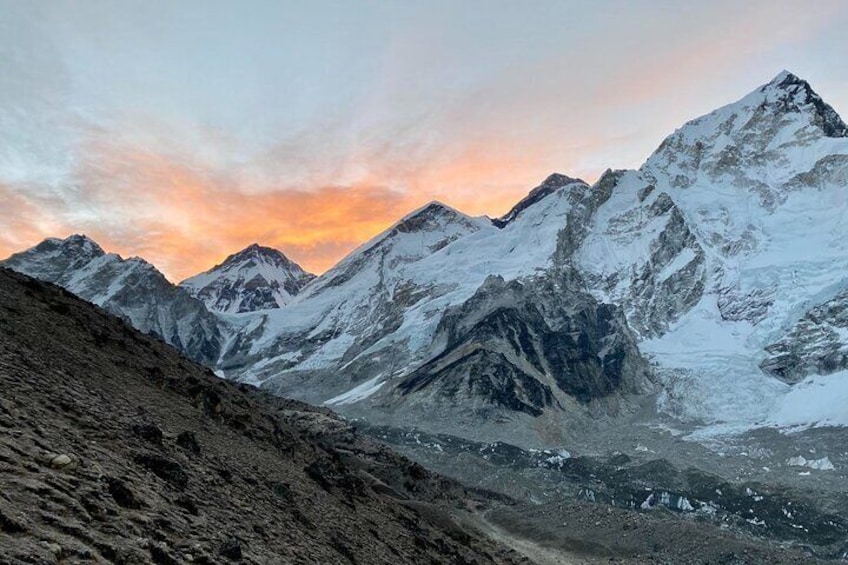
pixel 255 278
pixel 432 313
pixel 130 288
pixel 115 448
pixel 816 344
pixel 551 184
pixel 641 254
pixel 520 346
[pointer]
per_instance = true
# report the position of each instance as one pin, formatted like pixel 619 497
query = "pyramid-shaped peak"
pixel 78 244
pixel 784 112
pixel 551 184
pixel 432 207
pixel 432 215
pixel 791 92
pixel 786 78
pixel 256 252
pixel 787 84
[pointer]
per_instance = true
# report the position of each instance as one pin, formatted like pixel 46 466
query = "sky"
pixel 184 131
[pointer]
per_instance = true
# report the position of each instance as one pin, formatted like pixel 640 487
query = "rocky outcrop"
pixel 521 345
pixel 816 344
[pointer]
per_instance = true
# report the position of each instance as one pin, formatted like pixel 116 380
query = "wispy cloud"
pixel 185 215
pixel 182 135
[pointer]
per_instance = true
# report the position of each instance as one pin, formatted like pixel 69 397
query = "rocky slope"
pixel 255 278
pixel 117 449
pixel 130 288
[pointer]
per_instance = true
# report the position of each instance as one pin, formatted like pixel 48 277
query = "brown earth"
pixel 114 448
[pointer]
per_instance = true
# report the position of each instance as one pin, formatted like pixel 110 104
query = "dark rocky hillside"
pixel 114 448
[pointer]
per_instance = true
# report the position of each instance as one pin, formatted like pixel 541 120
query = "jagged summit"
pixel 550 185
pixel 255 278
pixel 430 216
pixel 257 252
pixel 56 259
pixel 763 140
pixel 798 93
pixel 74 243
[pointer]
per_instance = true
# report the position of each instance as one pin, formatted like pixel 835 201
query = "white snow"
pixel 226 287
pixel 444 259
pixel 358 393
pixel 823 464
pixel 816 401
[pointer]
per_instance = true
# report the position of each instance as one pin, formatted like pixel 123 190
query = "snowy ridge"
pixel 716 248
pixel 255 278
pixel 130 288
pixel 387 297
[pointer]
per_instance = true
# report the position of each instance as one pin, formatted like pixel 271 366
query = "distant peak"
pixel 256 251
pixel 557 180
pixel 427 217
pixel 434 206
pixel 551 184
pixel 77 242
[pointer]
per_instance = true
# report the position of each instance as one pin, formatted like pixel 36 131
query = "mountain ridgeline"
pixel 712 276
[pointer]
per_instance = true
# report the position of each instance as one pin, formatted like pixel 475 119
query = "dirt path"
pixel 536 552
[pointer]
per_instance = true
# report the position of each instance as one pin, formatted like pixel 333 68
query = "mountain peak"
pixel 256 251
pixel 428 217
pixel 784 116
pixel 255 278
pixel 557 180
pixel 76 248
pixel 551 184
pixel 77 242
pixel 785 77
pixel 791 92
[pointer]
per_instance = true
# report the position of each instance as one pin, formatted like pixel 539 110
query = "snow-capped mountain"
pixel 725 244
pixel 391 322
pixel 130 288
pixel 721 253
pixel 255 278
pixel 714 274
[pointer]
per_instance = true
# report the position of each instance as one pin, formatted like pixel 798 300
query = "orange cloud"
pixel 184 217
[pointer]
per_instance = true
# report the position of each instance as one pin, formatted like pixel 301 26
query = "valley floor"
pixel 747 498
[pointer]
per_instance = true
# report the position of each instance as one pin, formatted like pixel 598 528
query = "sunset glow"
pixel 166 131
